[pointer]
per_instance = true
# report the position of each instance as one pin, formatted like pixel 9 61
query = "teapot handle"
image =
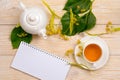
pixel 22 6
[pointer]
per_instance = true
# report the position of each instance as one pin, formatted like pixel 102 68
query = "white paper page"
pixel 40 64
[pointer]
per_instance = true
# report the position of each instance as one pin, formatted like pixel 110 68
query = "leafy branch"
pixel 82 66
pixel 52 12
pixel 50 28
pixel 109 29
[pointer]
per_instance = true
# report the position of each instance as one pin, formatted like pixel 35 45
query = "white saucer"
pixel 104 57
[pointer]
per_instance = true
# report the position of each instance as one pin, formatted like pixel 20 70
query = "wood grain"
pixel 112 68
pixel 111 39
pixel 105 10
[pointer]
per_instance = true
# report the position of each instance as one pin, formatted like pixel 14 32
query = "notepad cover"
pixel 39 63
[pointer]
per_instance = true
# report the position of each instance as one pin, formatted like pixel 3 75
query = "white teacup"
pixel 92 52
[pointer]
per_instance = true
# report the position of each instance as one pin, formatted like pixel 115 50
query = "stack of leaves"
pixel 78 17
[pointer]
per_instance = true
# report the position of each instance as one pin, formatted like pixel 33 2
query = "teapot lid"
pixel 33 18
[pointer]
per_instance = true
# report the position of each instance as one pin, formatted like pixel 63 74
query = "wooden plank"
pixel 113 40
pixel 105 10
pixel 111 71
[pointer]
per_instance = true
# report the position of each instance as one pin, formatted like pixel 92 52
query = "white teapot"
pixel 33 20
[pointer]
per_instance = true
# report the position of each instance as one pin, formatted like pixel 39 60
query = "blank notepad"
pixel 39 63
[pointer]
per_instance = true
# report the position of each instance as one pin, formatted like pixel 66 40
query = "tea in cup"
pixel 92 52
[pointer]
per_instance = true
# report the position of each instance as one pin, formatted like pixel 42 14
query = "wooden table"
pixel 105 10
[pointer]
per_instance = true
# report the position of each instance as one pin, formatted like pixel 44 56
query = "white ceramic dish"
pixel 105 55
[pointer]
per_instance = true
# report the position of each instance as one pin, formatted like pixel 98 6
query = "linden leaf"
pixel 18 35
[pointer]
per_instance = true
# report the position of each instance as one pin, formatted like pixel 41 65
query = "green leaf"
pixel 66 25
pixel 91 21
pixel 78 26
pixel 78 18
pixel 86 22
pixel 18 35
pixel 78 6
pixel 83 23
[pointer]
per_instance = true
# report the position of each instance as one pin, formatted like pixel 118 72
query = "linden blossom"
pixel 109 29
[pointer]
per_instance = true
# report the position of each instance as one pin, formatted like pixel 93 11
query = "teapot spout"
pixel 43 33
pixel 22 6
